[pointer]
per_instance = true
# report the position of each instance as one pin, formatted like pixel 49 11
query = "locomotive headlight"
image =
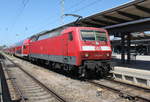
pixel 107 54
pixel 86 55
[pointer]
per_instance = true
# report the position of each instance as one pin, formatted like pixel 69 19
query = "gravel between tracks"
pixel 72 90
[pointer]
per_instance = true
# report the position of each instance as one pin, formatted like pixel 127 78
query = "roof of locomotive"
pixel 49 31
pixel 60 29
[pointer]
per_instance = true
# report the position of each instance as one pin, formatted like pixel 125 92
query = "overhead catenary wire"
pixel 76 4
pixel 86 6
pixel 43 26
pixel 24 2
pixel 74 11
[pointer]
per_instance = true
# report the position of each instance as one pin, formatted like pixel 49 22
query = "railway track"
pixel 124 90
pixel 27 86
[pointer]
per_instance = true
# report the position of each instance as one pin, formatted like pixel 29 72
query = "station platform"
pixel 137 72
pixel 138 62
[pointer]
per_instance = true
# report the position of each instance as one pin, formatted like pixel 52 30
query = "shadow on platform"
pixel 134 64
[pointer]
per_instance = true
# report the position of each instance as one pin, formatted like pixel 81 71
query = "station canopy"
pixel 130 17
pixel 127 18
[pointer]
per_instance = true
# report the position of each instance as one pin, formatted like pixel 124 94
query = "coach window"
pixel 45 36
pixel 70 36
pixel 24 46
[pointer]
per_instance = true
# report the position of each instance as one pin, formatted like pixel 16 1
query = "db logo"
pixel 97 48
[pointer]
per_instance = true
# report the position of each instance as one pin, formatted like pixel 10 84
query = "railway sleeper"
pixel 127 96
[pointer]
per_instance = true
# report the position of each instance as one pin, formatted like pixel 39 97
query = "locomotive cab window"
pixel 93 35
pixel 70 36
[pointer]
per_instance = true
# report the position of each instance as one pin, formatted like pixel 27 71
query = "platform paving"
pixel 140 62
pixel 136 72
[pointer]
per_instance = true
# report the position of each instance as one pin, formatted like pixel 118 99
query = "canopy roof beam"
pixel 132 16
pixel 143 9
pixel 116 19
pixel 92 24
pixel 102 21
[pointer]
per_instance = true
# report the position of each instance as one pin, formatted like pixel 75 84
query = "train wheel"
pixel 66 67
pixel 75 72
pixel 50 65
pixel 53 66
pixel 99 71
pixel 83 72
pixel 106 69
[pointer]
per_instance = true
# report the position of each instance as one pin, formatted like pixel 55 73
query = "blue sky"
pixel 20 19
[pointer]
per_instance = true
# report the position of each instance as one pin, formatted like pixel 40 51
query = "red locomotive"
pixel 84 49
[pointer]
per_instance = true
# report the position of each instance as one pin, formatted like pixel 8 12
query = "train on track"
pixel 81 50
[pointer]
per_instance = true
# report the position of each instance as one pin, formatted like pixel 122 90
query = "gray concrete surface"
pixel 141 62
pixel 136 72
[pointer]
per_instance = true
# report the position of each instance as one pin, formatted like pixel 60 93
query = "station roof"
pixel 130 17
pixel 120 18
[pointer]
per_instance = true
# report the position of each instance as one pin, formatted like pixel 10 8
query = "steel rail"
pixel 5 90
pixel 52 92
pixel 126 84
pixel 22 97
pixel 133 86
pixel 120 92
